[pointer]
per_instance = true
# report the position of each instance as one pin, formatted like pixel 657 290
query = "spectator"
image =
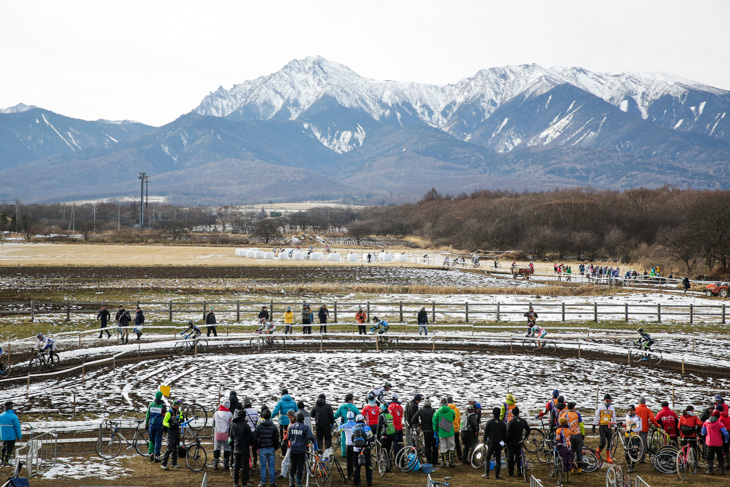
pixel 362 450
pixel 103 316
pixel 685 284
pixel 300 435
pixel 9 432
pixel 708 411
pixel 517 430
pixel 252 418
pixel 443 426
pixel 172 421
pixel 156 412
pixel 477 408
pixel 123 320
pixel 715 435
pixel 268 441
pixel 725 420
pixel 323 314
pixel 264 313
pixel 301 408
pixel 221 425
pixel 495 433
pixel 422 321
pixel 242 439
pixel 647 418
pixel 285 404
pixel 346 407
pixel 396 410
pixel 210 322
pixel 361 317
pixel 306 319
pixel 288 321
pixel 469 432
pixel 138 322
pixel 668 421
pixel 324 419
pixel 424 419
pixel 409 413
pixel 457 426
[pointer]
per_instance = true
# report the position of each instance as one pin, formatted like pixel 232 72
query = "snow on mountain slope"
pixel 19 108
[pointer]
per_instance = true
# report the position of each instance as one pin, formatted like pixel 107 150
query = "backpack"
pixel 359 438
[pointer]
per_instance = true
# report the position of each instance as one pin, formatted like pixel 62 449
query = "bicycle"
pixel 615 477
pixel 195 345
pixel 410 456
pixel 555 465
pixel 196 458
pixel 686 461
pixel 38 362
pixel 639 354
pixel 5 372
pixel 381 457
pixel 317 468
pixel 383 341
pixel 657 439
pixel 591 460
pixel 545 447
pixel 665 460
pixel 196 416
pixel 272 341
pixel 427 469
pixel 334 464
pixel 109 443
pixel 631 442
pixel 534 345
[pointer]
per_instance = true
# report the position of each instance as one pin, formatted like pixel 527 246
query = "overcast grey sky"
pixel 152 61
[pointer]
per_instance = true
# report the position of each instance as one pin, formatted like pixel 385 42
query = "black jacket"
pixel 517 429
pixel 410 411
pixel 424 418
pixel 210 319
pixel 494 431
pixel 124 319
pixel 323 415
pixel 264 314
pixel 323 313
pixel 139 318
pixel 268 435
pixel 103 315
pixel 422 317
pixel 235 403
pixel 240 433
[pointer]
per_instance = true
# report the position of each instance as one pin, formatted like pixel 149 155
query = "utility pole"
pixel 147 197
pixel 142 178
pixel 94 217
pixel 119 217
pixel 17 215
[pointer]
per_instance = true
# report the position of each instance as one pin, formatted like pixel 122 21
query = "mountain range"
pixel 317 130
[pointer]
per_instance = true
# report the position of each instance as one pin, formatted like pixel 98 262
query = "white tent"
pixel 269 255
pixel 352 258
pixel 299 256
pixel 335 257
pixel 259 254
pixel 386 257
pixel 284 256
pixel 317 256
pixel 401 258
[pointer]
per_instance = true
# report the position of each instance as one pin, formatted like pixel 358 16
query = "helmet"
pixel 607 397
pixel 360 418
pixel 375 319
pixel 556 393
pixel 39 335
pixel 177 402
pixel 190 323
pixel 640 330
pixel 718 397
pixel 371 397
pixel 350 415
pixel 387 384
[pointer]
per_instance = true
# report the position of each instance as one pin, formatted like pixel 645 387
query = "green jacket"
pixel 447 413
pixel 344 409
pixel 155 412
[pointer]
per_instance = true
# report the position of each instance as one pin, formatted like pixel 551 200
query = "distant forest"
pixel 687 230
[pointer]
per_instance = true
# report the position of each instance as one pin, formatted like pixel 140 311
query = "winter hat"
pixel 642 400
pixel 284 392
pixel 9 405
pixel 321 396
pixel 718 398
pixel 450 399
pixel 300 404
pixel 719 407
pixel 665 404
pixel 515 411
pixel 300 417
pixel 607 397
pixel 716 413
pixel 158 395
pixel 246 402
pixel 417 397
pixel 564 421
pixel 561 399
pixel 233 396
pixel 571 405
pixel 427 403
pixel 471 399
pixel 556 393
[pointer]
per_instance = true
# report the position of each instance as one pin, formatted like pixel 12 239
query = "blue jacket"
pixel 299 437
pixel 9 426
pixel 285 404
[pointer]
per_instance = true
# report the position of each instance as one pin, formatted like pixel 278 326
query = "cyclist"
pixel 605 417
pixel 172 421
pixel 531 319
pixel 689 426
pixel 644 342
pixel 577 433
pixel 2 366
pixel 43 344
pixel 361 446
pixel 517 431
pixel 267 327
pixel 538 332
pixel 562 439
pixel 191 331
pixel 380 326
pixel 668 420
pixel 632 423
pixel 552 407
pixel 378 393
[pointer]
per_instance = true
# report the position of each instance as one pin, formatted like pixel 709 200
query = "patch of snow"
pixel 57 132
pixel 624 106
pixel 678 124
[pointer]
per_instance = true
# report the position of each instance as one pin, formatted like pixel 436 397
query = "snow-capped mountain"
pixel 461 109
pixel 19 108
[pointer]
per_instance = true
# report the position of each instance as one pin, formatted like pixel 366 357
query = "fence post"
pixel 205 307
pixel 32 310
pixel 238 310
pixel 466 312
pixel 433 343
pixel 368 320
pixel 433 312
pixel 497 311
pixel 659 311
pixel 114 363
pixel 335 310
pixel 628 356
pixel 170 304
pixel 510 344
pixel 68 311
pixel 83 371
pixel 693 346
pixel 271 307
pixel 563 307
pixel 595 312
pixel 691 313
pixel 400 308
pixel 79 340
pixel 626 312
pixel 723 314
pixel 74 404
pixel 27 386
pixel 578 349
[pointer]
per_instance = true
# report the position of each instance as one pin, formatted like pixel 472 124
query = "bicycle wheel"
pixel 635 448
pixel 196 458
pixel 692 461
pixel 524 465
pixel 6 370
pixel 278 342
pixel 636 355
pixel 201 346
pixel 615 440
pixel 407 458
pixel 36 364
pixel 529 345
pixel 655 358
pixel 142 442
pixel 383 461
pixel 534 440
pixel 549 346
pixel 180 348
pixel 109 447
pixel 665 461
pixel 681 465
pixel 197 414
pixel 368 342
pixel 478 455
pixel 544 451
pixel 54 360
pixel 391 342
pixel 591 460
pixel 611 479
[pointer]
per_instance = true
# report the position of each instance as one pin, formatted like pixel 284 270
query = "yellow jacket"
pixel 288 318
pixel 457 417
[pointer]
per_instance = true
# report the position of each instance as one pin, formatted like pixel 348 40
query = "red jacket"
pixel 668 420
pixel 647 416
pixel 371 414
pixel 691 422
pixel 715 432
pixel 397 411
pixel 725 420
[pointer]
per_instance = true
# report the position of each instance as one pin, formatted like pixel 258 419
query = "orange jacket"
pixel 646 416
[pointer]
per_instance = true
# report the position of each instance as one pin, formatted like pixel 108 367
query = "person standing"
pixel 221 424
pixel 443 426
pixel 495 433
pixel 632 423
pixel 242 439
pixel 715 435
pixel 469 432
pixel 264 313
pixel 361 317
pixel 424 419
pixel 362 438
pixel 577 433
pixel 268 439
pixel 422 322
pixel 342 414
pixel 156 412
pixel 124 320
pixel 605 416
pixel 410 411
pixel 235 403
pixel 138 322
pixel 685 284
pixel 323 314
pixel 9 432
pixel 396 410
pixel 306 319
pixel 103 316
pixel 668 421
pixel 210 323
pixel 252 418
pixel 172 421
pixel 647 418
pixel 300 436
pixel 324 419
pixel 346 430
pixel 457 426
pixel 288 321
pixel 517 430
pixel 285 404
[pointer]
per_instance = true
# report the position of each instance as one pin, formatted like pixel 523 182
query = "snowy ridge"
pixel 289 92
pixel 19 108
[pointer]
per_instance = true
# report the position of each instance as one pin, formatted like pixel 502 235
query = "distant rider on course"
pixel 645 340
pixel 531 319
pixel 45 343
